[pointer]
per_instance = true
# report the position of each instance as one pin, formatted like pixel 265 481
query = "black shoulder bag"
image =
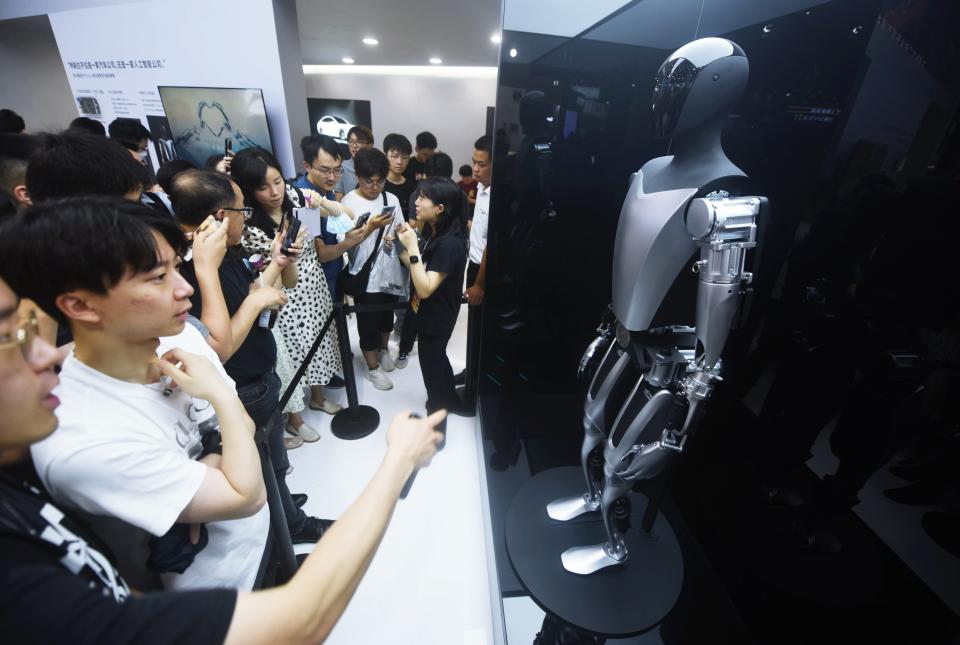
pixel 356 285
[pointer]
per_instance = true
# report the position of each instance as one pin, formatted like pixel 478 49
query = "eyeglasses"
pixel 26 332
pixel 329 172
pixel 246 210
pixel 354 143
pixel 373 183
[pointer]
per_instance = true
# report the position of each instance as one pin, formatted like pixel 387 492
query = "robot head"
pixel 697 82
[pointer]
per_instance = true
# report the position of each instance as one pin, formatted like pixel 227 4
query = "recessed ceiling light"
pixel 513 53
pixel 348 60
pixel 369 40
pixel 435 61
pixel 496 38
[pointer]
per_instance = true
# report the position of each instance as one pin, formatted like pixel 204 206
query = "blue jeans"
pixel 262 402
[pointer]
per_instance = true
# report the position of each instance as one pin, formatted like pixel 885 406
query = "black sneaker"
pixel 299 499
pixel 336 382
pixel 460 378
pixel 311 531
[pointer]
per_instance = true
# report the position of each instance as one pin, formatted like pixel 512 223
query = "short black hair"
pixel 88 125
pixel 363 134
pixel 77 164
pixel 466 170
pixel 398 142
pixel 171 169
pixel 15 151
pixel 484 144
pixel 11 122
pixel 312 144
pixel 426 140
pixel 370 162
pixel 88 242
pixel 128 132
pixel 195 194
pixel 439 164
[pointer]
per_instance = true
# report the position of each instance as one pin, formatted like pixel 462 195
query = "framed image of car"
pixel 333 126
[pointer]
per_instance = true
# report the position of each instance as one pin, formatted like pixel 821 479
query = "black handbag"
pixel 356 285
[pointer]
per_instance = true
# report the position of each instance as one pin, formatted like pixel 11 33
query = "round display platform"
pixel 614 602
pixel 355 423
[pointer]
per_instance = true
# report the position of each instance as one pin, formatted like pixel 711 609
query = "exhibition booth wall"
pixel 847 123
pixel 450 103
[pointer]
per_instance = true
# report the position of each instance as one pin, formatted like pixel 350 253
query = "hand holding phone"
pixel 293 228
pixel 227 147
pixel 362 220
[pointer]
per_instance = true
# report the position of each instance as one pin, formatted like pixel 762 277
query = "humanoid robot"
pixel 653 380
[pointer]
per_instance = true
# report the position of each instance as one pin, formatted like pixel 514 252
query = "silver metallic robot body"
pixel 673 369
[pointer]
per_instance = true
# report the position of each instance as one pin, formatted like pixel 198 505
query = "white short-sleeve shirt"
pixel 126 451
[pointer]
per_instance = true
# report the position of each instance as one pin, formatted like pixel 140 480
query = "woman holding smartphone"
pixel 260 178
pixel 437 276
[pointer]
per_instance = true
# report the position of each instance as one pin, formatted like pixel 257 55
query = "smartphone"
pixel 293 228
pixel 227 146
pixel 362 220
pixel 387 210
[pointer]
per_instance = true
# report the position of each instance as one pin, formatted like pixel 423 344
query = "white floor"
pixel 429 582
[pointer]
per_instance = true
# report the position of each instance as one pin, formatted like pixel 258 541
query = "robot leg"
pixel 610 384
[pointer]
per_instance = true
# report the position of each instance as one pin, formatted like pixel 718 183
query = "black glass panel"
pixel 819 499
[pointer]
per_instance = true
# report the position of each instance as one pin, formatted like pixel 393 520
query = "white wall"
pixel 454 109
pixel 33 83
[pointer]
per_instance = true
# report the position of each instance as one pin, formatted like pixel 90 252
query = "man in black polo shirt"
pixel 251 348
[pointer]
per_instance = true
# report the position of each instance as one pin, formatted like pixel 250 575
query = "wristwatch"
pixel 414 259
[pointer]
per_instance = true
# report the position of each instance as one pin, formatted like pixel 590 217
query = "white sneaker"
pixel 380 380
pixel 402 359
pixel 386 363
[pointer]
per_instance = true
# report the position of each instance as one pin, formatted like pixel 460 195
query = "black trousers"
pixel 408 333
pixel 370 324
pixel 262 402
pixel 474 317
pixel 437 373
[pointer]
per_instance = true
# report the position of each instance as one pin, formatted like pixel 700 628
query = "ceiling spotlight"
pixel 496 38
pixel 348 60
pixel 435 61
pixel 513 53
pixel 369 40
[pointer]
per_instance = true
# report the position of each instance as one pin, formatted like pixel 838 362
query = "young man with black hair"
pixel 132 135
pixel 468 184
pixel 128 455
pixel 198 194
pixel 426 145
pixel 11 122
pixel 58 586
pixel 439 164
pixel 88 126
pixel 477 257
pixel 358 138
pixel 398 150
pixel 15 151
pixel 70 164
pixel 322 168
pixel 388 280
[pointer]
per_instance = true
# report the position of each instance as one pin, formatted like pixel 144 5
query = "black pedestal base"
pixel 355 423
pixel 615 602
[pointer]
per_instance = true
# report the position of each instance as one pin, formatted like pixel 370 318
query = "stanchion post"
pixel 287 561
pixel 355 421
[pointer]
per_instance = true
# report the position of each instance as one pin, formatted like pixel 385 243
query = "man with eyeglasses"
pixel 322 170
pixel 358 138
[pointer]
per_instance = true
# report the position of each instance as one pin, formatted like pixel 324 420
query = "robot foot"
pixel 584 560
pixel 567 508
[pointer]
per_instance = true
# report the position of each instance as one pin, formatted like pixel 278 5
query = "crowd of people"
pixel 149 323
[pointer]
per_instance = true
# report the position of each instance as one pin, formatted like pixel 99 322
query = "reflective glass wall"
pixel 822 488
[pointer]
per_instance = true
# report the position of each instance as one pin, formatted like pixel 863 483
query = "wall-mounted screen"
pixel 202 118
pixel 335 117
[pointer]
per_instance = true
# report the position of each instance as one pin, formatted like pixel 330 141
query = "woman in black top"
pixel 437 276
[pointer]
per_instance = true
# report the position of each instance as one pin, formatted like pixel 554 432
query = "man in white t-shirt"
pixel 130 432
pixel 389 279
pixel 477 263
